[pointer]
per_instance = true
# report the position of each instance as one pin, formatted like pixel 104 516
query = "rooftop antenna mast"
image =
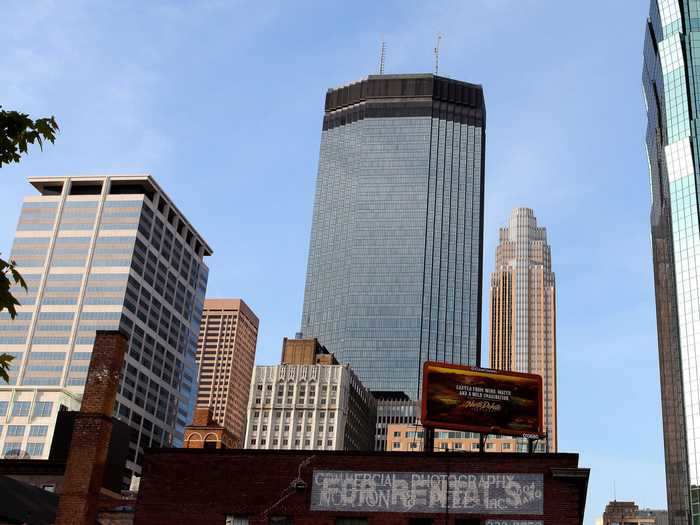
pixel 436 52
pixel 382 55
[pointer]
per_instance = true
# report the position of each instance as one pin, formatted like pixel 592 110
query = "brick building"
pixel 629 513
pixel 255 487
pixel 409 438
pixel 226 345
pixel 204 432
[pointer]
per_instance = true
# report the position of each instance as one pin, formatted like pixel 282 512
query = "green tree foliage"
pixel 17 132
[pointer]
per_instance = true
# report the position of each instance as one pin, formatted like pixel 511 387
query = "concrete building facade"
pixel 522 315
pixel 302 405
pixel 393 408
pixel 225 356
pixel 102 253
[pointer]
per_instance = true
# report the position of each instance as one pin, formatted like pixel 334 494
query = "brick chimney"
pixel 92 431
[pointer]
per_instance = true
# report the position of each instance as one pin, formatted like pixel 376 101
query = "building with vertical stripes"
pixel 522 322
pixel 395 260
pixel 102 253
pixel 225 357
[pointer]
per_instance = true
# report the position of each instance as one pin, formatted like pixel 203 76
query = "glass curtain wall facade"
pixel 395 261
pixel 102 253
pixel 671 80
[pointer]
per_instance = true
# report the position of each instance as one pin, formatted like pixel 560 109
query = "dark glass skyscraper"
pixel 671 79
pixel 395 261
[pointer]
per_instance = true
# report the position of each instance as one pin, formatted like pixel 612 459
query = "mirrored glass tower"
pixel 395 262
pixel 671 79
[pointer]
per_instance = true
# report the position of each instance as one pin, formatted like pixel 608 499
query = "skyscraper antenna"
pixel 382 55
pixel 436 51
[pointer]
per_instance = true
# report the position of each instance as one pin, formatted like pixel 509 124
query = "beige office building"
pixel 309 402
pixel 225 356
pixel 409 438
pixel 522 324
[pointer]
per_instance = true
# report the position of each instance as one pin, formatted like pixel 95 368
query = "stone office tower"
pixel 671 81
pixel 226 355
pixel 102 253
pixel 395 261
pixel 523 310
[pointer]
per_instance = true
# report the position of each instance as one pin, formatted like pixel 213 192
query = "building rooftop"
pixel 137 184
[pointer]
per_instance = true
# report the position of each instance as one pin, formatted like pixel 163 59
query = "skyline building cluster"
pixel 394 279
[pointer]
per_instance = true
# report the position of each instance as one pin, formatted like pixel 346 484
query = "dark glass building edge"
pixel 405 96
pixel 678 484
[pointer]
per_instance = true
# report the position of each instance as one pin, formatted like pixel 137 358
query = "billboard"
pixel 481 400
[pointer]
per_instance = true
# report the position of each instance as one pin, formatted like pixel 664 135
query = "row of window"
pixel 21 408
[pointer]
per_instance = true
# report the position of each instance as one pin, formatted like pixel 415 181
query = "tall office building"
pixel 225 356
pixel 672 93
pixel 395 260
pixel 522 323
pixel 107 252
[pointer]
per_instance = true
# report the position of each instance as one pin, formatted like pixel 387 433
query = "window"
pixel 15 430
pixel 236 520
pixel 397 434
pixel 38 430
pixel 3 408
pixel 253 441
pixel 475 446
pixel 489 446
pixel 20 408
pixel 281 520
pixel 396 444
pixel 329 443
pixel 35 450
pixel 506 446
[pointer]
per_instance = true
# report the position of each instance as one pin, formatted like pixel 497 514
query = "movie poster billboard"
pixel 481 400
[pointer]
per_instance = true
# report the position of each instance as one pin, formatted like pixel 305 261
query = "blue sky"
pixel 221 101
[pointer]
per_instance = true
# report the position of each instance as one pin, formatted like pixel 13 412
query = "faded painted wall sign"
pixel 513 522
pixel 353 491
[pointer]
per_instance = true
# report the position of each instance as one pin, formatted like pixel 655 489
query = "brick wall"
pixel 92 432
pixel 201 486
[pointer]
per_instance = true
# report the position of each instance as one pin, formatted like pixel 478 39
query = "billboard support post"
pixel 428 440
pixel 482 442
